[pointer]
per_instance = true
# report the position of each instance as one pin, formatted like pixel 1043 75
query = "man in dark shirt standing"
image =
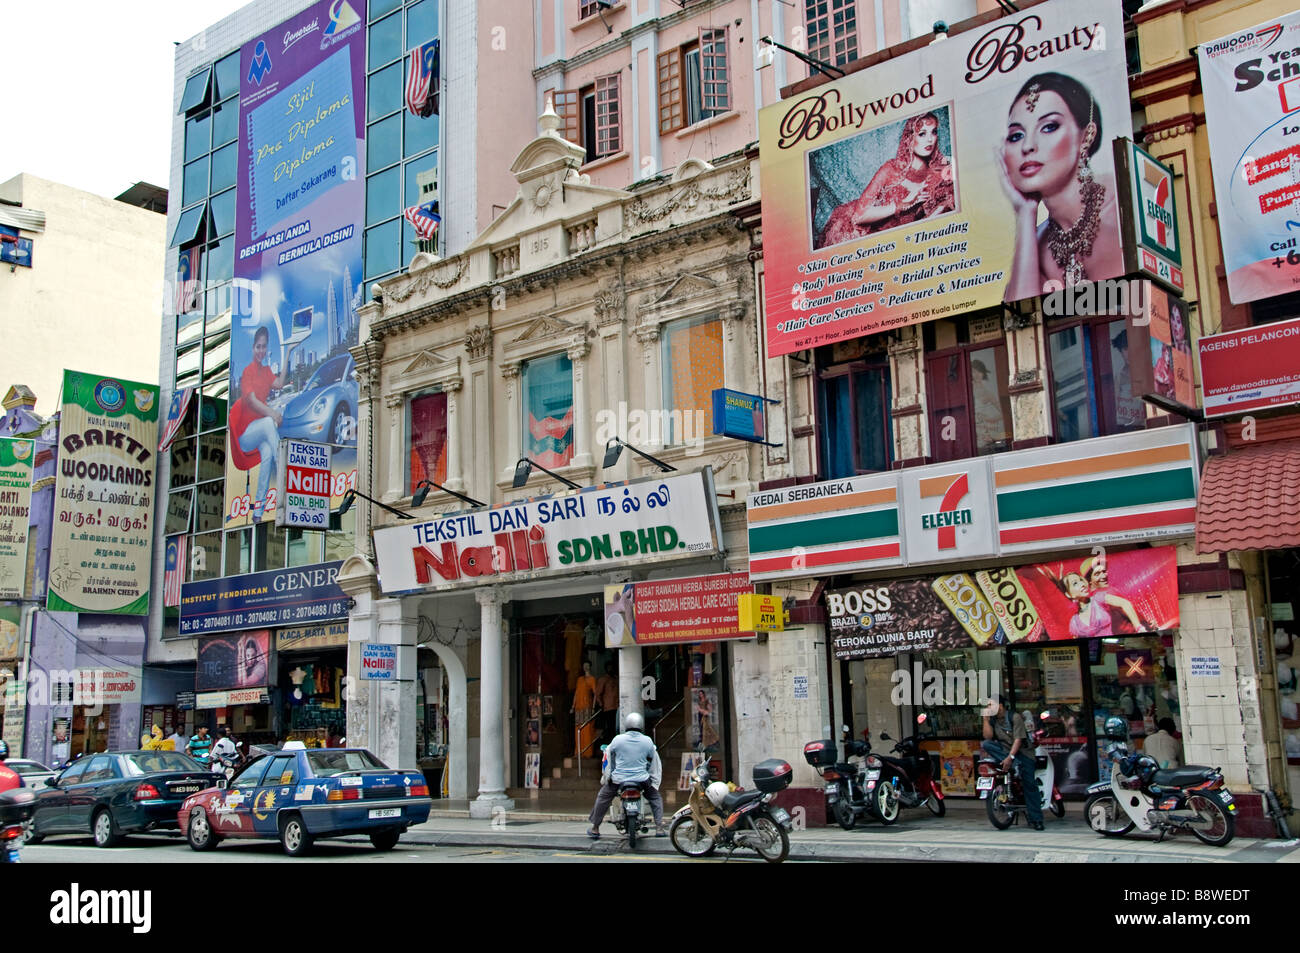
pixel 1007 739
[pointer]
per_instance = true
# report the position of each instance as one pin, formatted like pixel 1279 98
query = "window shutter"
pixel 715 88
pixel 567 108
pixel 672 114
pixel 608 139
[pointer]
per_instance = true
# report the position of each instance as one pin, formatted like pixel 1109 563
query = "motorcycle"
pixel 1139 794
pixel 715 816
pixel 846 781
pixel 16 808
pixel 628 815
pixel 226 765
pixel 1002 792
pixel 905 781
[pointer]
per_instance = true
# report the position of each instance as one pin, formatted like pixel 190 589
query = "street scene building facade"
pixel 962 329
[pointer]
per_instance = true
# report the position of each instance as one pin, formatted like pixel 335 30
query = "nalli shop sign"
pixel 659 519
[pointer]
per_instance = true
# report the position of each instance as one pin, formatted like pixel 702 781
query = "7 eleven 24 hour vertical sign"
pixel 306 482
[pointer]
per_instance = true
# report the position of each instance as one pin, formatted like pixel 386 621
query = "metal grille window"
pixel 832 30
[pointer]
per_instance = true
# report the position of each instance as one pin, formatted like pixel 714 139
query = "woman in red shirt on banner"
pixel 253 421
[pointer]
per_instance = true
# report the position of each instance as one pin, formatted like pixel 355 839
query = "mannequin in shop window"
pixel 583 707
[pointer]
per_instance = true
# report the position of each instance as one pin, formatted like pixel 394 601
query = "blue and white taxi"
pixel 301 795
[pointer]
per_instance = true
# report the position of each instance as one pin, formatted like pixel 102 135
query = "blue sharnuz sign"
pixel 263 600
pixel 739 415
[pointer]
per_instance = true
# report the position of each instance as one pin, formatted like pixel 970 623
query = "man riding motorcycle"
pixel 632 758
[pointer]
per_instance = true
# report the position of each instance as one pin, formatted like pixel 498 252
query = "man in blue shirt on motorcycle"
pixel 1006 738
pixel 632 758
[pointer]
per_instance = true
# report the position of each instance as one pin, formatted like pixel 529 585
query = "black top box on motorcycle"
pixel 772 775
pixel 820 754
pixel 16 806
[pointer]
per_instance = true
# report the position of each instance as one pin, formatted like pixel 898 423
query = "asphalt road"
pixel 167 850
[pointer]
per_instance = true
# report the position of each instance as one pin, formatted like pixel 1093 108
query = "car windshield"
pixel 331 372
pixel 29 767
pixel 327 763
pixel 152 762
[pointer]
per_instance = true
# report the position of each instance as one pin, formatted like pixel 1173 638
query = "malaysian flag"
pixel 422 79
pixel 425 219
pixel 175 571
pixel 175 417
pixel 187 280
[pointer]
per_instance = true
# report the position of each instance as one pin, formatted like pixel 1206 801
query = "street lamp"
pixel 424 486
pixel 614 449
pixel 525 467
pixel 350 495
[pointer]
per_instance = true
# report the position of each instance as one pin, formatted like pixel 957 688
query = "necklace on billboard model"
pixel 1070 245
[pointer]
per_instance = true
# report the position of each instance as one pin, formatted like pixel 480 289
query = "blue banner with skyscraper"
pixel 298 251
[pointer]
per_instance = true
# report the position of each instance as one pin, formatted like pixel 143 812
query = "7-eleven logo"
pixel 951 490
pixel 1158 203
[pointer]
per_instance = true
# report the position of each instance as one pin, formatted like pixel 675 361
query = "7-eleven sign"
pixel 948 512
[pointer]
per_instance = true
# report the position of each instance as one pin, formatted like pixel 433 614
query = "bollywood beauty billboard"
pixel 16 457
pixel 101 541
pixel 958 176
pixel 1252 111
pixel 1100 595
pixel 298 244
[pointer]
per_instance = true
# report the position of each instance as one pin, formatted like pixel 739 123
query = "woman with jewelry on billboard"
pixel 916 183
pixel 1054 130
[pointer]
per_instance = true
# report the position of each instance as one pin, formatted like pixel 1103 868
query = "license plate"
pixel 185 789
pixel 984 784
pixel 1227 798
pixel 779 815
pixel 385 812
pixel 873 775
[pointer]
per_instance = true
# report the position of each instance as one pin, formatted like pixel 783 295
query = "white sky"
pixel 89 88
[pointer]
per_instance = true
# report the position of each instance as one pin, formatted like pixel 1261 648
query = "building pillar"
pixel 492 756
pixel 629 683
pixel 395 404
pixel 392 703
pixel 455 480
pixel 581 417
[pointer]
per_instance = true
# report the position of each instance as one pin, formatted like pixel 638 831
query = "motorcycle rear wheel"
pixel 999 815
pixel 936 805
pixel 884 802
pixel 689 837
pixel 1057 808
pixel 633 828
pixel 845 816
pixel 1105 816
pixel 777 845
pixel 1224 825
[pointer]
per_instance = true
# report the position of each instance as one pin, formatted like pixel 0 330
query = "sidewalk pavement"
pixel 963 836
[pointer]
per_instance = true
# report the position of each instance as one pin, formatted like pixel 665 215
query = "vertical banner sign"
pixel 15 514
pixel 305 476
pixel 101 542
pixel 955 177
pixel 1252 114
pixel 1150 215
pixel 298 235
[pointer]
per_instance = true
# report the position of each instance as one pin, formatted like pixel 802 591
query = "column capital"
pixel 489 596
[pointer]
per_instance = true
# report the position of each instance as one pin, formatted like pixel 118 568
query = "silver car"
pixel 33 773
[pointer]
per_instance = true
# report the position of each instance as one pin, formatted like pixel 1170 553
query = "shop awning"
pixel 1250 499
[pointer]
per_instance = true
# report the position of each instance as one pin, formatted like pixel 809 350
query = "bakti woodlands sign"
pixel 101 541
pixel 922 186
pixel 16 458
pixel 643 521
pixel 1123 488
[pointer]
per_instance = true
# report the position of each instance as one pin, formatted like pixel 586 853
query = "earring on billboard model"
pixel 1089 135
pixel 1031 97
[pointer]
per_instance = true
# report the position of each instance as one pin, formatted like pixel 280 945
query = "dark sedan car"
pixel 115 793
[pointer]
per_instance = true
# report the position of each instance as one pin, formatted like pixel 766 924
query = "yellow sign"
pixel 760 614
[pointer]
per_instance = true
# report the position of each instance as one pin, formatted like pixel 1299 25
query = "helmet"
pixel 4 749
pixel 1116 728
pixel 716 791
pixel 634 722
pixel 1146 768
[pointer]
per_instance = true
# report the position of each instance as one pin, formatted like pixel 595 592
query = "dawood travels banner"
pixel 1097 594
pixel 298 246
pixel 1251 82
pixel 16 456
pixel 101 541
pixel 946 179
